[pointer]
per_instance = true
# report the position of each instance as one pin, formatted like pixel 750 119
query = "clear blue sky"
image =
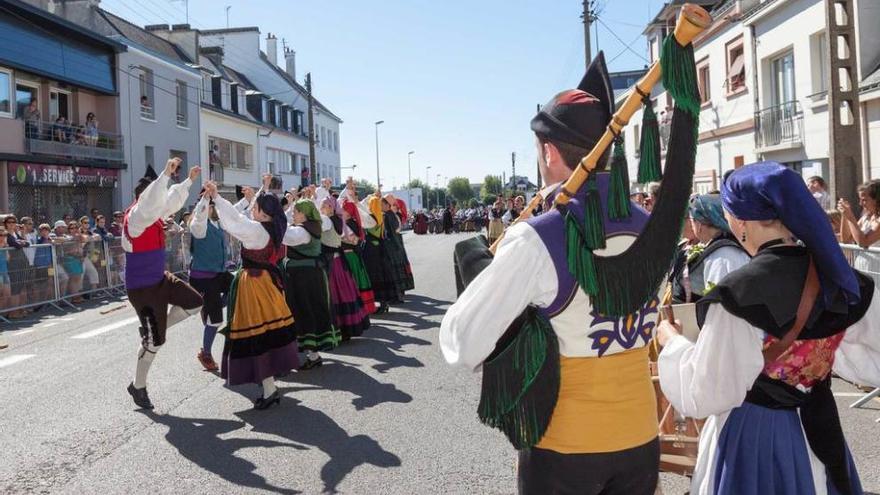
pixel 455 81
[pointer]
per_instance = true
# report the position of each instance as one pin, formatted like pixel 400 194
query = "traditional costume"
pixel 352 242
pixel 306 285
pixel 568 380
pixel 496 225
pixel 771 334
pixel 260 337
pixel 349 314
pixel 151 289
pixel 382 277
pixel 395 250
pixel 705 265
pixel 208 274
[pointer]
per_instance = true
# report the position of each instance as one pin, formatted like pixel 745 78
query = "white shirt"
pixel 521 274
pixel 251 233
pixel 156 202
pixel 711 377
pixel 198 226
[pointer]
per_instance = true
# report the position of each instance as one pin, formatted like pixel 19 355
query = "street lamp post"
pixel 378 183
pixel 409 179
pixel 437 190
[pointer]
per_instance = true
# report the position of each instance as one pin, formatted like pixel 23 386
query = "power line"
pixel 627 47
pixel 621 52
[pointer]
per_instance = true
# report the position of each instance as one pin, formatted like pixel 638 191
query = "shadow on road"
pixel 339 376
pixel 379 344
pixel 197 439
pixel 302 425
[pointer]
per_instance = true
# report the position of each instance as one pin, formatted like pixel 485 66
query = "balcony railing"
pixel 780 125
pixel 72 141
pixel 147 112
pixel 181 120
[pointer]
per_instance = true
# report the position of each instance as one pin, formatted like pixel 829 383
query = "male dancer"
pixel 601 436
pixel 150 288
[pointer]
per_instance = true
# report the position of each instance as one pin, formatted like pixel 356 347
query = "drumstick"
pixel 667 312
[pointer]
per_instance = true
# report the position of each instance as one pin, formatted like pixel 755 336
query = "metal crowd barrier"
pixel 63 273
pixel 866 261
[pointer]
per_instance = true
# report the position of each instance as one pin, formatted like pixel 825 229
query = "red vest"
pixel 152 239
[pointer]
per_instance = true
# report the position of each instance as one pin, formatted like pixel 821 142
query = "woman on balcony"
pixel 91 129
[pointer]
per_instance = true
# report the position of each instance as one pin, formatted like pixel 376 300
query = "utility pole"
pixel 409 179
pixel 844 116
pixel 312 170
pixel 587 16
pixel 513 166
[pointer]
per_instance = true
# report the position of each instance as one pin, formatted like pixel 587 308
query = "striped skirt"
pixel 260 337
pixel 349 314
pixel 361 279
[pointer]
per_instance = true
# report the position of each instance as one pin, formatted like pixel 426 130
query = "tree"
pixel 364 187
pixel 491 188
pixel 460 189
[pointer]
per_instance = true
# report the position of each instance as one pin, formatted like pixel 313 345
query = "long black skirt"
pixel 307 295
pixel 382 277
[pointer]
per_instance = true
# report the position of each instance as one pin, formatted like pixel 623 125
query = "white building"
pixel 763 81
pixel 282 105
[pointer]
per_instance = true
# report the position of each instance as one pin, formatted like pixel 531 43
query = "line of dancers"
pixel 314 266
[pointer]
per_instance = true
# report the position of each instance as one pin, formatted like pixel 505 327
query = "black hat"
pixel 239 193
pixel 579 116
pixel 146 180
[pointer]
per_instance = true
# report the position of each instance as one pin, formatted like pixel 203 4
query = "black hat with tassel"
pixel 148 178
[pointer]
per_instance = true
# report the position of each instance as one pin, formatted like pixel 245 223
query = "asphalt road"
pixel 384 415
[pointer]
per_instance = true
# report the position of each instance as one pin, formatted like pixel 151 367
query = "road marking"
pixel 850 394
pixel 15 359
pixel 50 324
pixel 21 332
pixel 105 329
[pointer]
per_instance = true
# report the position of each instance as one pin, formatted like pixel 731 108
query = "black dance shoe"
pixel 311 363
pixel 383 308
pixel 140 396
pixel 267 402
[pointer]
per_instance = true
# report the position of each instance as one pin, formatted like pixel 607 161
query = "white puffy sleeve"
pixel 858 357
pixel 198 225
pixel 251 233
pixel 520 274
pixel 713 375
pixel 722 262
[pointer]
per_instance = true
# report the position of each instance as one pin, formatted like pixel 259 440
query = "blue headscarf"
pixel 706 209
pixel 277 226
pixel 769 191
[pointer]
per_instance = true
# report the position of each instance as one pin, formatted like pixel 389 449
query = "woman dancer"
pixel 261 341
pixel 496 225
pixel 352 239
pixel 403 218
pixel 394 252
pixel 375 259
pixel 772 332
pixel 306 284
pixel 349 314
pixel 208 273
pixel 716 255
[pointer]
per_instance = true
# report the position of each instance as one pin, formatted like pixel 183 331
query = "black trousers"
pixel 627 472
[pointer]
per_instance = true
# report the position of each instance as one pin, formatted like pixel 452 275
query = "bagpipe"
pixel 520 382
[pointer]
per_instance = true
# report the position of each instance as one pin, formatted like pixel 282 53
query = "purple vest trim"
pixel 144 269
pixel 551 229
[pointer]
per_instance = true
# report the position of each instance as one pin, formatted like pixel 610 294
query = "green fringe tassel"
pixel 680 74
pixel 579 257
pixel 618 191
pixel 521 383
pixel 649 153
pixel 594 224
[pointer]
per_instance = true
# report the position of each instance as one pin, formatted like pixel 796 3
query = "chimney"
pixel 290 59
pixel 272 48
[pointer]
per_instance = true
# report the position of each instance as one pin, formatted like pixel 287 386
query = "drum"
pixel 679 435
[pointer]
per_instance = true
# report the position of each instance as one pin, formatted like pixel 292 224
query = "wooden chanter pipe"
pixel 692 21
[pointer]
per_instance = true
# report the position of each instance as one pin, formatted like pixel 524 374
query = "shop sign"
pixel 33 174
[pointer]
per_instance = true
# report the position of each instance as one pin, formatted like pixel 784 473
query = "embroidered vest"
pixel 606 397
pixel 209 253
pixel 145 262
